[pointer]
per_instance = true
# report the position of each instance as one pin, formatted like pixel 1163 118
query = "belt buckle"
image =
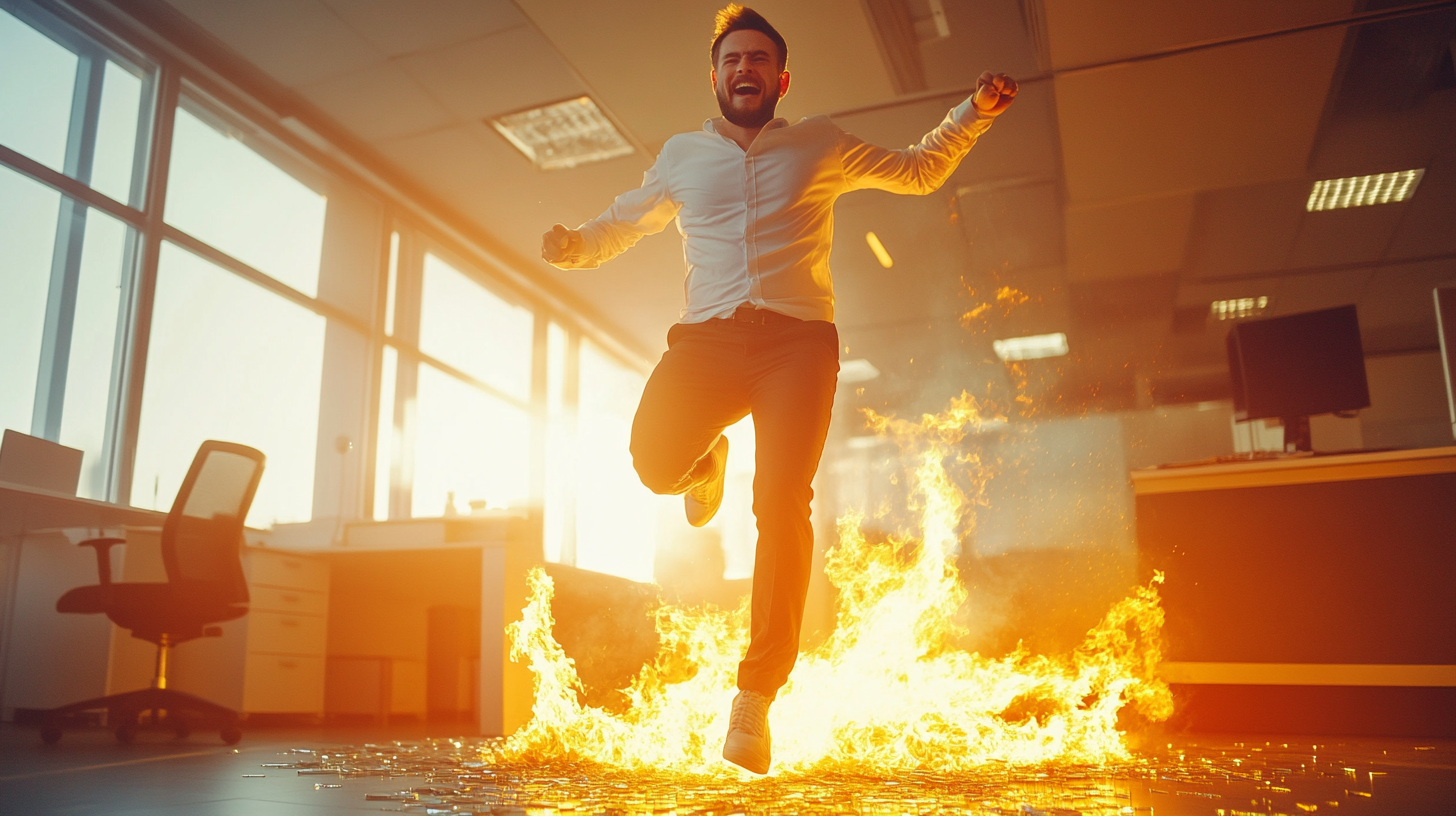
pixel 748 314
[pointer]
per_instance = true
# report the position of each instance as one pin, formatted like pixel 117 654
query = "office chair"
pixel 202 552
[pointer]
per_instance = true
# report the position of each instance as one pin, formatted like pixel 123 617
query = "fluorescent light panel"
pixel 1236 308
pixel 1034 347
pixel 1362 191
pixel 563 134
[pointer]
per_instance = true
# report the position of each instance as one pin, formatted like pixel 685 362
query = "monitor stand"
pixel 1296 434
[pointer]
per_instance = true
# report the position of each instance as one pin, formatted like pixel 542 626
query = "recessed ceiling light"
pixel 860 370
pixel 1361 191
pixel 879 249
pixel 1237 308
pixel 1034 347
pixel 563 134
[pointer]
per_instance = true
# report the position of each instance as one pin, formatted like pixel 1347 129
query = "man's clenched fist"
pixel 560 244
pixel 994 93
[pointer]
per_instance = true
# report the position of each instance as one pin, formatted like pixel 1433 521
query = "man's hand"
pixel 560 244
pixel 994 93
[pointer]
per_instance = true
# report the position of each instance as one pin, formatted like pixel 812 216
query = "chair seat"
pixel 151 610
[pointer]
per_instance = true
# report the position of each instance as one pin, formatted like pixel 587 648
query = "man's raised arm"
pixel 923 167
pixel 635 213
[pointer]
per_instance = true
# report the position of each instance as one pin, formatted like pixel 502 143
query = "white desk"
pixel 48 659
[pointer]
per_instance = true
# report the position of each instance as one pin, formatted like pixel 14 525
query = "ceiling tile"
pixel 497 74
pixel 1398 311
pixel 1245 229
pixel 1082 33
pixel 1353 235
pixel 378 102
pixel 295 41
pixel 397 28
pixel 648 60
pixel 1128 240
pixel 1429 223
pixel 1324 290
pixel 1197 121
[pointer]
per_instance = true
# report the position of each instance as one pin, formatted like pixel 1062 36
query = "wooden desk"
pixel 1308 594
pixel 387 576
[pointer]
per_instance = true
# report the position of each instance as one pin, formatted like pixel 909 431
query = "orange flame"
pixel 888 690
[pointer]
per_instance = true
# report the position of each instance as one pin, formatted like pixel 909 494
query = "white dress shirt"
pixel 757 225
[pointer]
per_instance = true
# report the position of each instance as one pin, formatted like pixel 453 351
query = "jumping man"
pixel 753 197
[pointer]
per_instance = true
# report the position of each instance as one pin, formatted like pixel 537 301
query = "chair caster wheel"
pixel 231 735
pixel 125 733
pixel 50 734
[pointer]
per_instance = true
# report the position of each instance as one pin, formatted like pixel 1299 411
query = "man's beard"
pixel 755 117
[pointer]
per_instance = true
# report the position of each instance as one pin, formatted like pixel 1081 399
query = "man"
pixel 753 197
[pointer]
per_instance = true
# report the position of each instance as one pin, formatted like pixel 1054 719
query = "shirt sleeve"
pixel 635 213
pixel 917 169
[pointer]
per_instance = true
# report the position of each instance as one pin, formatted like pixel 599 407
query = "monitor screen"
pixel 1298 365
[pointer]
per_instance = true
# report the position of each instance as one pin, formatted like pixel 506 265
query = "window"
pixel 229 360
pixel 616 517
pixel 28 213
pixel 37 83
pixel 222 192
pixel 46 91
pixel 469 447
pixel 558 531
pixel 464 325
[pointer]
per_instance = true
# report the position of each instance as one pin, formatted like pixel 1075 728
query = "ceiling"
pixel 1121 195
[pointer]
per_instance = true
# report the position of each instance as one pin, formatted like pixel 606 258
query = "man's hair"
pixel 737 18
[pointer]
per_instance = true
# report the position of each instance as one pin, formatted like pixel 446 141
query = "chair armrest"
pixel 103 555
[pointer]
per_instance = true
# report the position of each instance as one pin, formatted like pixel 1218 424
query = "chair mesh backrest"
pixel 203 536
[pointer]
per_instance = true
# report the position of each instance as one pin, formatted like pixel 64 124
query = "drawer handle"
pixel 288 664
pixel 288 622
pixel 290 599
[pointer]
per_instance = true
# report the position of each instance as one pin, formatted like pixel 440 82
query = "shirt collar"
pixel 711 126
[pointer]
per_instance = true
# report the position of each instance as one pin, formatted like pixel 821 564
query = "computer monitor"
pixel 35 462
pixel 1296 366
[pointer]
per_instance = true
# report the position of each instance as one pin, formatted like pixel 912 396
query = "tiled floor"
pixel 328 771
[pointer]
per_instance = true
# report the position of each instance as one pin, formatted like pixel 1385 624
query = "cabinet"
pixel 1308 595
pixel 270 661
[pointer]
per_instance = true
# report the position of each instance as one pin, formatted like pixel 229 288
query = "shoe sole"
pixel 746 758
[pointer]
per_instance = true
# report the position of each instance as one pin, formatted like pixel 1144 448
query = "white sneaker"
pixel 702 502
pixel 747 745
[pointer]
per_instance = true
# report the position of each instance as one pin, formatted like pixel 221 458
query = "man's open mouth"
pixel 745 89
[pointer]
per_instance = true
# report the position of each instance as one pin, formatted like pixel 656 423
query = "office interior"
pixel 312 228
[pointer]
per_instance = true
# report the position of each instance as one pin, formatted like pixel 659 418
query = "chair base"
pixel 123 714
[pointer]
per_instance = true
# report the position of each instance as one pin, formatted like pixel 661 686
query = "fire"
pixel 889 690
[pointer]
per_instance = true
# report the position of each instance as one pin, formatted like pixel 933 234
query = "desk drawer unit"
pixel 283 684
pixel 287 633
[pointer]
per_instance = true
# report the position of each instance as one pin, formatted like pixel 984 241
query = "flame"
pixel 889 690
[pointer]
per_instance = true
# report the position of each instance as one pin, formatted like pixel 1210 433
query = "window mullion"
pixel 143 294
pixel 55 357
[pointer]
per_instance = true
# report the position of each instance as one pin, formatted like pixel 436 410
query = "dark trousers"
pixel 714 373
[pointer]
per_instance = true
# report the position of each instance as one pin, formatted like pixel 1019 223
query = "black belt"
pixel 759 317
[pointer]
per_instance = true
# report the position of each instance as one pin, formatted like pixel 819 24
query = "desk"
pixel 387 575
pixel 1308 594
pixel 366 598
pixel 48 659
